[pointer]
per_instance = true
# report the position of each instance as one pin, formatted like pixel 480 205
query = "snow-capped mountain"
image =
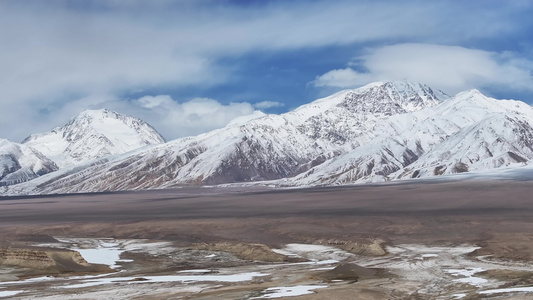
pixel 261 148
pixel 93 134
pixel 494 133
pixel 351 116
pixel 20 163
pixel 380 132
pixel 469 132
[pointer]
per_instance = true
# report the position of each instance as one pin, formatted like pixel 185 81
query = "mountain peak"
pixel 392 97
pixel 94 134
pixel 474 98
pixel 470 93
pixel 406 87
pixel 99 114
pixel 380 98
pixel 242 120
pixel 96 112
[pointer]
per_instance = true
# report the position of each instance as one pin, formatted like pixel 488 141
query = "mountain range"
pixel 383 131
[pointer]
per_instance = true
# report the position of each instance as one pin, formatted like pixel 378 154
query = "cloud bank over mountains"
pixel 60 57
pixel 451 68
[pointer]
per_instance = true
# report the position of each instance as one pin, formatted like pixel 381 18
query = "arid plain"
pixel 469 239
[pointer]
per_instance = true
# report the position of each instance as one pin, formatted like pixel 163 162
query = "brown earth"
pixel 496 215
pixel 33 261
pixel 245 251
pixel 351 272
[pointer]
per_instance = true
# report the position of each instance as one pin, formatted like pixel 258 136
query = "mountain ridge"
pixel 383 131
pixel 20 163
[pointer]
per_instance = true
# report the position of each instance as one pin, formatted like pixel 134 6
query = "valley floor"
pixel 468 239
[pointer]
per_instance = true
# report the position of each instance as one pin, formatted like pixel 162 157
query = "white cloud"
pixel 342 78
pixel 57 50
pixel 155 101
pixel 170 118
pixel 450 68
pixel 54 53
pixel 173 119
pixel 268 104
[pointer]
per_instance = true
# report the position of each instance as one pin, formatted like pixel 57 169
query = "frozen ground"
pixel 284 291
pixel 411 217
pixel 412 271
pixel 525 289
pixel 438 269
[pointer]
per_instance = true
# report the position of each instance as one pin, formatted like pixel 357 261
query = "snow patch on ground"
pixel 9 293
pixel 468 276
pixel 96 251
pixel 29 280
pixel 289 291
pixel 525 289
pixel 107 251
pixel 448 268
pixel 168 278
pixel 106 254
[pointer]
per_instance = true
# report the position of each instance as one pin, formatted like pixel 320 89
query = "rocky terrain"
pixel 38 260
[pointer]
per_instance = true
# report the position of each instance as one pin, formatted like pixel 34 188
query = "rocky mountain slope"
pixel 265 148
pixel 91 135
pixel 380 132
pixel 469 132
pixel 20 163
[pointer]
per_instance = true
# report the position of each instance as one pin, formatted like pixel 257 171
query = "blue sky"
pixel 187 67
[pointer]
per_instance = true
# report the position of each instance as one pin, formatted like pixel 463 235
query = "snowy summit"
pixel 93 134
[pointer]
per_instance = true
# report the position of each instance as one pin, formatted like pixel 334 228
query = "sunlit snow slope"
pixel 93 134
pixel 469 132
pixel 383 131
pixel 20 163
pixel 263 148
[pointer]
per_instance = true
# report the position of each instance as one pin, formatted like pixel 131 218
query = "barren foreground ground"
pixel 428 240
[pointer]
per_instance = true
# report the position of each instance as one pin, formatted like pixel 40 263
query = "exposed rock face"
pixel 355 117
pixel 350 271
pixel 50 259
pixel 367 247
pixel 468 132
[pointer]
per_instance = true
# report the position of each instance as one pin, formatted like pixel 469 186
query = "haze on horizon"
pixel 187 67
